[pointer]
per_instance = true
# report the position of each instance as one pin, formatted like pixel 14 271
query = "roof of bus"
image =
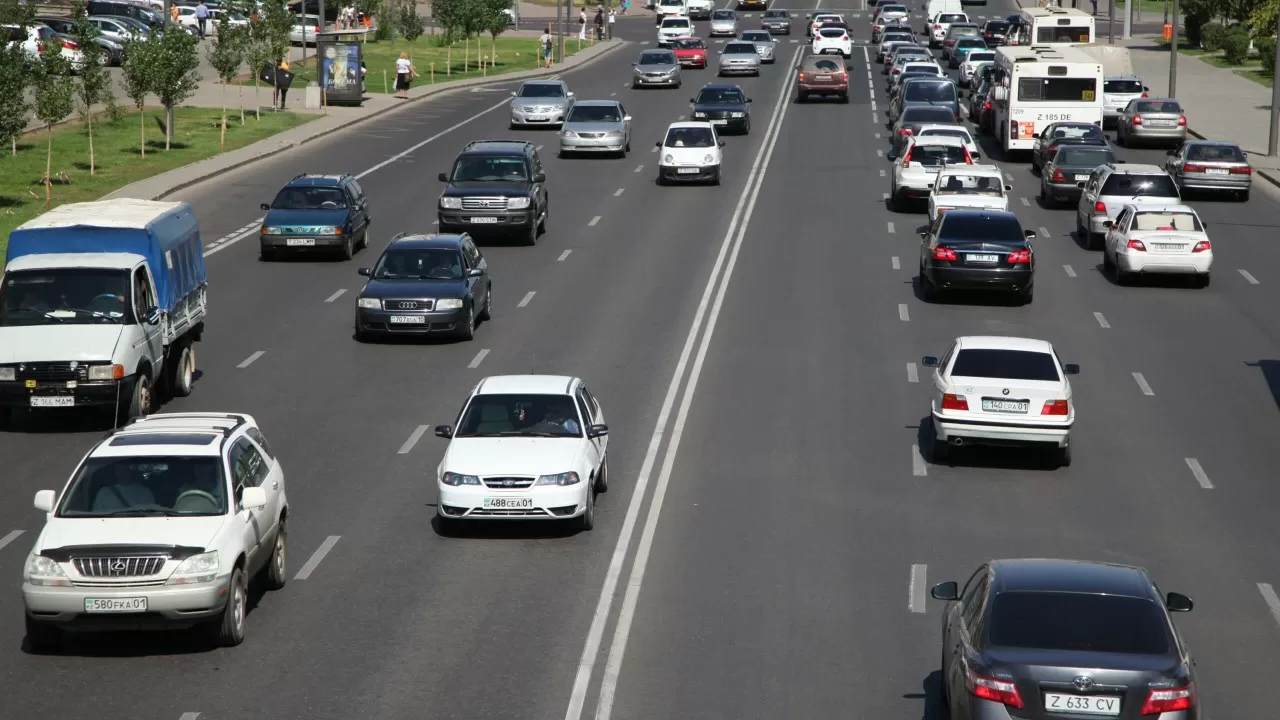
pixel 1038 12
pixel 1045 53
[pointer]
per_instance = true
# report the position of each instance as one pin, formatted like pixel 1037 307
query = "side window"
pixel 946 359
pixel 357 190
pixel 622 109
pixel 256 435
pixel 353 198
pixel 583 408
pixel 474 253
pixel 248 467
pixel 936 230
pixel 973 606
pixel 592 403
pixel 237 465
pixel 143 297
pixel 971 587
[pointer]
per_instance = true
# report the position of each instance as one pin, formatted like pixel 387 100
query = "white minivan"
pixel 933 7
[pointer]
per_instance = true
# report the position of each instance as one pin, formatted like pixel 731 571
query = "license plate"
pixel 115 605
pixel 1082 178
pixel 484 221
pixel 1169 246
pixel 408 320
pixel 981 258
pixel 300 242
pixel 687 171
pixel 537 118
pixel 1217 171
pixel 822 77
pixel 1160 123
pixel 508 503
pixel 59 401
pixel 719 122
pixel 997 405
pixel 1082 704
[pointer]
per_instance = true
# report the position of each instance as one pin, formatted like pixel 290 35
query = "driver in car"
pixel 123 490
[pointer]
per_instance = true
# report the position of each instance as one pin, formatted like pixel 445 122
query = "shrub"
pixel 1235 45
pixel 1266 48
pixel 1211 37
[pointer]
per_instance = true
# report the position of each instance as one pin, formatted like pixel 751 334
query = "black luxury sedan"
pixel 976 250
pixel 725 106
pixel 425 285
pixel 1037 639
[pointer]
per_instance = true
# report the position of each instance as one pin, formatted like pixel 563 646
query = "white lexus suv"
pixel 162 525
pixel 526 447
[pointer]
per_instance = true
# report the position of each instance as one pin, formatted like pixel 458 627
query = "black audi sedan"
pixel 725 106
pixel 425 285
pixel 976 250
pixel 1038 639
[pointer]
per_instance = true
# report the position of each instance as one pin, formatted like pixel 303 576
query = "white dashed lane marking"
pixel 897 264
pixel 904 314
pixel 918 467
pixel 250 360
pixel 336 295
pixel 1102 321
pixel 479 358
pixel 641 167
pixel 913 375
pixel 319 555
pixel 1142 384
pixel 618 192
pixel 563 255
pixel 1071 272
pixel 593 222
pixel 1200 475
pixel 1025 202
pixel 1044 232
pixel 524 301
pixel 414 437
pixel 10 537
pixel 1245 274
pixel 892 230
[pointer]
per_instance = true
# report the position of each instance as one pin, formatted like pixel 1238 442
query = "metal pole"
pixel 168 114
pixel 321 26
pixel 1111 23
pixel 560 31
pixel 1273 143
pixel 1128 17
pixel 1173 52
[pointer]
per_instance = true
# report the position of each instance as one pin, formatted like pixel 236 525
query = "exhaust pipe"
pixel 957 441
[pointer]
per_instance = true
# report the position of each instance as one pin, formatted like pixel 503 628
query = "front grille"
pixel 591 135
pixel 655 74
pixel 119 567
pixel 420 305
pixel 509 483
pixel 119 584
pixel 53 372
pixel 484 203
pixel 713 114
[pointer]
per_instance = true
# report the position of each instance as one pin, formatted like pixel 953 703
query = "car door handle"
pixel 275 484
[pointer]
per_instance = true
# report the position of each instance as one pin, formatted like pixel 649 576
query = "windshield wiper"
pixel 91 313
pixel 142 511
pixel 529 433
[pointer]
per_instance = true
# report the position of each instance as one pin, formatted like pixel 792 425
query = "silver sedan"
pixel 764 42
pixel 1155 120
pixel 596 126
pixel 724 22
pixel 739 58
pixel 657 67
pixel 1211 165
pixel 540 102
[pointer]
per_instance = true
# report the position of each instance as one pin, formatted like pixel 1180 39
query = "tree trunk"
pixel 493 49
pixel 168 128
pixel 448 68
pixel 89 121
pixel 466 55
pixel 142 117
pixel 241 91
pixel 14 142
pixel 48 169
pixel 222 142
pixel 257 103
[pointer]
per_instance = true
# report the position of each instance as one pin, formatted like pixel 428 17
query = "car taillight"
pixel 1144 94
pixel 1020 257
pixel 955 402
pixel 986 105
pixel 906 159
pixel 1100 208
pixel 1192 167
pixel 1013 129
pixel 1001 691
pixel 944 253
pixel 1137 245
pixel 1137 119
pixel 1202 246
pixel 1182 120
pixel 1058 176
pixel 70 45
pixel 1243 170
pixel 906 131
pixel 846 37
pixel 1055 407
pixel 843 76
pixel 1169 700
pixel 937 27
pixel 801 77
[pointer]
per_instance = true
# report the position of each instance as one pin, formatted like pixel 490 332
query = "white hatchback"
pixel 690 152
pixel 832 40
pixel 1153 240
pixel 526 447
pixel 1001 391
pixel 673 27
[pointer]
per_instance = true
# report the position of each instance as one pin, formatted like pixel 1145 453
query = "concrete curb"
pixel 160 186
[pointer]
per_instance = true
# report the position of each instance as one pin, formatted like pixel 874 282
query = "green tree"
pixel 448 15
pixel 1263 19
pixel 226 54
pixel 53 101
pixel 136 77
pixel 1195 13
pixel 14 107
pixel 175 73
pixel 93 85
pixel 409 23
pixel 494 20
pixel 267 42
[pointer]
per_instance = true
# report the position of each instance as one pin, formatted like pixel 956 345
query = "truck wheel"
pixel 182 372
pixel 139 402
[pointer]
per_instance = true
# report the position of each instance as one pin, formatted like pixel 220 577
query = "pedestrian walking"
pixel 545 42
pixel 404 75
pixel 613 18
pixel 582 24
pixel 202 17
pixel 282 82
pixel 599 22
pixel 173 14
pixel 1095 7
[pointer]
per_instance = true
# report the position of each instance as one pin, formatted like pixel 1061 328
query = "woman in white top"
pixel 404 73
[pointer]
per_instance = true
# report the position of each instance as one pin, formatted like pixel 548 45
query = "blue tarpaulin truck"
pixel 100 306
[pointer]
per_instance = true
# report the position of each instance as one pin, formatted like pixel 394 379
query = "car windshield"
pixel 1125 87
pixel 740 48
pixel 309 198
pixel 1157 106
pixel 418 263
pixel 995 364
pixel 676 23
pixel 961 31
pixel 927 114
pixel 909 54
pixel 1078 132
pixel 757 37
pixel 688 44
pixel 1215 153
pixel 66 296
pixel 698 137
pixel 542 90
pixel 151 486
pixel 523 415
pixel 967 184
pixel 970 42
pixel 1083 622
pixel 981 56
pixel 930 92
pixel 656 58
pixel 1140 186
pixel 490 168
pixel 1167 221
pixel 1083 157
pixel 595 114
pixel 719 96
pixel 722 15
pixel 936 155
pixel 832 32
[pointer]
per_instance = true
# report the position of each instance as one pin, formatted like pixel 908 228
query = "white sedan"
pixel 1157 239
pixel 1001 391
pixel 526 447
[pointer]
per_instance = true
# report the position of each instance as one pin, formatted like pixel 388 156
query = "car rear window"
pixel 833 32
pixel 957 132
pixel 927 115
pixel 923 68
pixel 1083 157
pixel 1167 221
pixel 1157 106
pixel 930 92
pixel 1081 621
pixel 981 56
pixel 1215 153
pixel 974 42
pixel 958 31
pixel 898 37
pixel 997 27
pixel 937 155
pixel 1122 86
pixel 1078 132
pixel 823 65
pixel 1140 186
pixel 948 18
pixel 1005 364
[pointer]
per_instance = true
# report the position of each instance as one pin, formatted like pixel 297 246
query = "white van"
pixel 933 7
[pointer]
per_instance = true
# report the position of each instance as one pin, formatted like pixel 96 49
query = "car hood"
pixel 306 218
pixel 196 532
pixel 972 201
pixel 512 456
pixel 414 288
pixel 658 67
pixel 593 127
pixel 723 23
pixel 487 187
pixel 59 343
pixel 762 46
pixel 720 107
pixel 539 102
pixel 752 56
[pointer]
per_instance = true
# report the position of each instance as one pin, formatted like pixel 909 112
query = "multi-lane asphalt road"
pixel 755 346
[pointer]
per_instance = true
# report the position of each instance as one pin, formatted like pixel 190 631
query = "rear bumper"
pixel 1156 264
pixel 1148 133
pixel 1063 191
pixel 823 88
pixel 1002 279
pixel 1001 432
pixel 1200 181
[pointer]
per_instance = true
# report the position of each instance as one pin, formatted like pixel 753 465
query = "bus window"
pixel 1060 35
pixel 1058 89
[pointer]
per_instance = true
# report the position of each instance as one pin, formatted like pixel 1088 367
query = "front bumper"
pixel 590 145
pixel 994 279
pixel 1204 181
pixel 380 321
pixel 996 432
pixel 1152 263
pixel 739 69
pixel 302 244
pixel 723 125
pixel 693 61
pixel 548 503
pixel 700 173
pixel 502 221
pixel 167 606
pixel 555 117
pixel 668 80
pixel 103 393
pixel 717 30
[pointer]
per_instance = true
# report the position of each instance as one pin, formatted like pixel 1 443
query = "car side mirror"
pixel 658 144
pixel 596 431
pixel 366 272
pixel 1008 188
pixel 1107 224
pixel 1035 135
pixel 444 431
pixel 848 68
pixel 1071 369
pixel 1080 185
pixel 721 143
pixel 153 316
pixel 929 361
pixel 626 118
pixel 748 99
pixel 1177 602
pixel 252 498
pixel 444 177
pixel 693 101
pixel 946 591
pixel 475 272
pixel 568 94
pixel 265 206
pixel 922 230
pixel 1029 234
pixel 45 500
pixel 513 94
pixel 540 177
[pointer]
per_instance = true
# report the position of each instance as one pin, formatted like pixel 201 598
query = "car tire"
pixel 1202 280
pixel 273 575
pixel 1062 456
pixel 546 215
pixel 1026 295
pixel 1243 196
pixel 181 372
pixel 635 86
pixel 746 127
pixel 844 98
pixel 364 238
pixel 660 180
pixel 228 630
pixel 362 336
pixel 1108 265
pixel 486 314
pixel 715 179
pixel 602 477
pixel 1045 201
pixel 531 237
pixel 587 520
pixel 348 249
pixel 940 452
pixel 1120 139
pixel 43 637
pixel 626 148
pixel 928 291
pixel 140 400
pixel 802 97
pixel 466 331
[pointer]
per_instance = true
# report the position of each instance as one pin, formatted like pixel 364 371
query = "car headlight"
pixel 566 133
pixel 369 303
pixel 8 373
pixel 566 478
pixel 614 133
pixel 327 231
pixel 270 230
pixel 667 159
pixel 448 303
pixel 103 372
pixel 517 203
pixel 455 479
pixel 451 203
pixel 699 114
pixel 41 570
pixel 737 114
pixel 708 159
pixel 200 568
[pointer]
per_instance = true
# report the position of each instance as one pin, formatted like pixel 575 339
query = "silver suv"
pixel 1110 187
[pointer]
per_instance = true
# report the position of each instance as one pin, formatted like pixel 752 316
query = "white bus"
pixel 1036 85
pixel 1053 26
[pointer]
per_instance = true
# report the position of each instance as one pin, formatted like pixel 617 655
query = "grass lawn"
pixel 1145 6
pixel 1220 61
pixel 456 62
pixel 116 156
pixel 1257 76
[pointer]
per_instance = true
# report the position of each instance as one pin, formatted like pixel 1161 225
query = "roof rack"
pixel 473 143
pixel 239 421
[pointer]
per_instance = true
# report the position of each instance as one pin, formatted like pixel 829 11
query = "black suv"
pixel 496 187
pixel 316 212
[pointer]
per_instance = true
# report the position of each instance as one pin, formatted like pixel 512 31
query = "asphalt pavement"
pixel 755 347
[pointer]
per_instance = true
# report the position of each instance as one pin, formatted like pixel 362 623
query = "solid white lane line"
pixel 916 596
pixel 882 173
pixel 320 552
pixel 913 375
pixel 13 535
pixel 1247 276
pixel 1269 597
pixel 190 716
pixel 524 301
pixel 249 360
pixel 414 437
pixel 891 228
pixel 479 358
pixel 1071 272
pixel 1025 202
pixel 593 222
pixel 1142 384
pixel 618 192
pixel 613 94
pixel 1044 232
pixel 1102 321
pixel 897 264
pixel 336 295
pixel 903 313
pixel 711 303
pixel 918 468
pixel 563 255
pixel 1201 476
pixel 641 167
